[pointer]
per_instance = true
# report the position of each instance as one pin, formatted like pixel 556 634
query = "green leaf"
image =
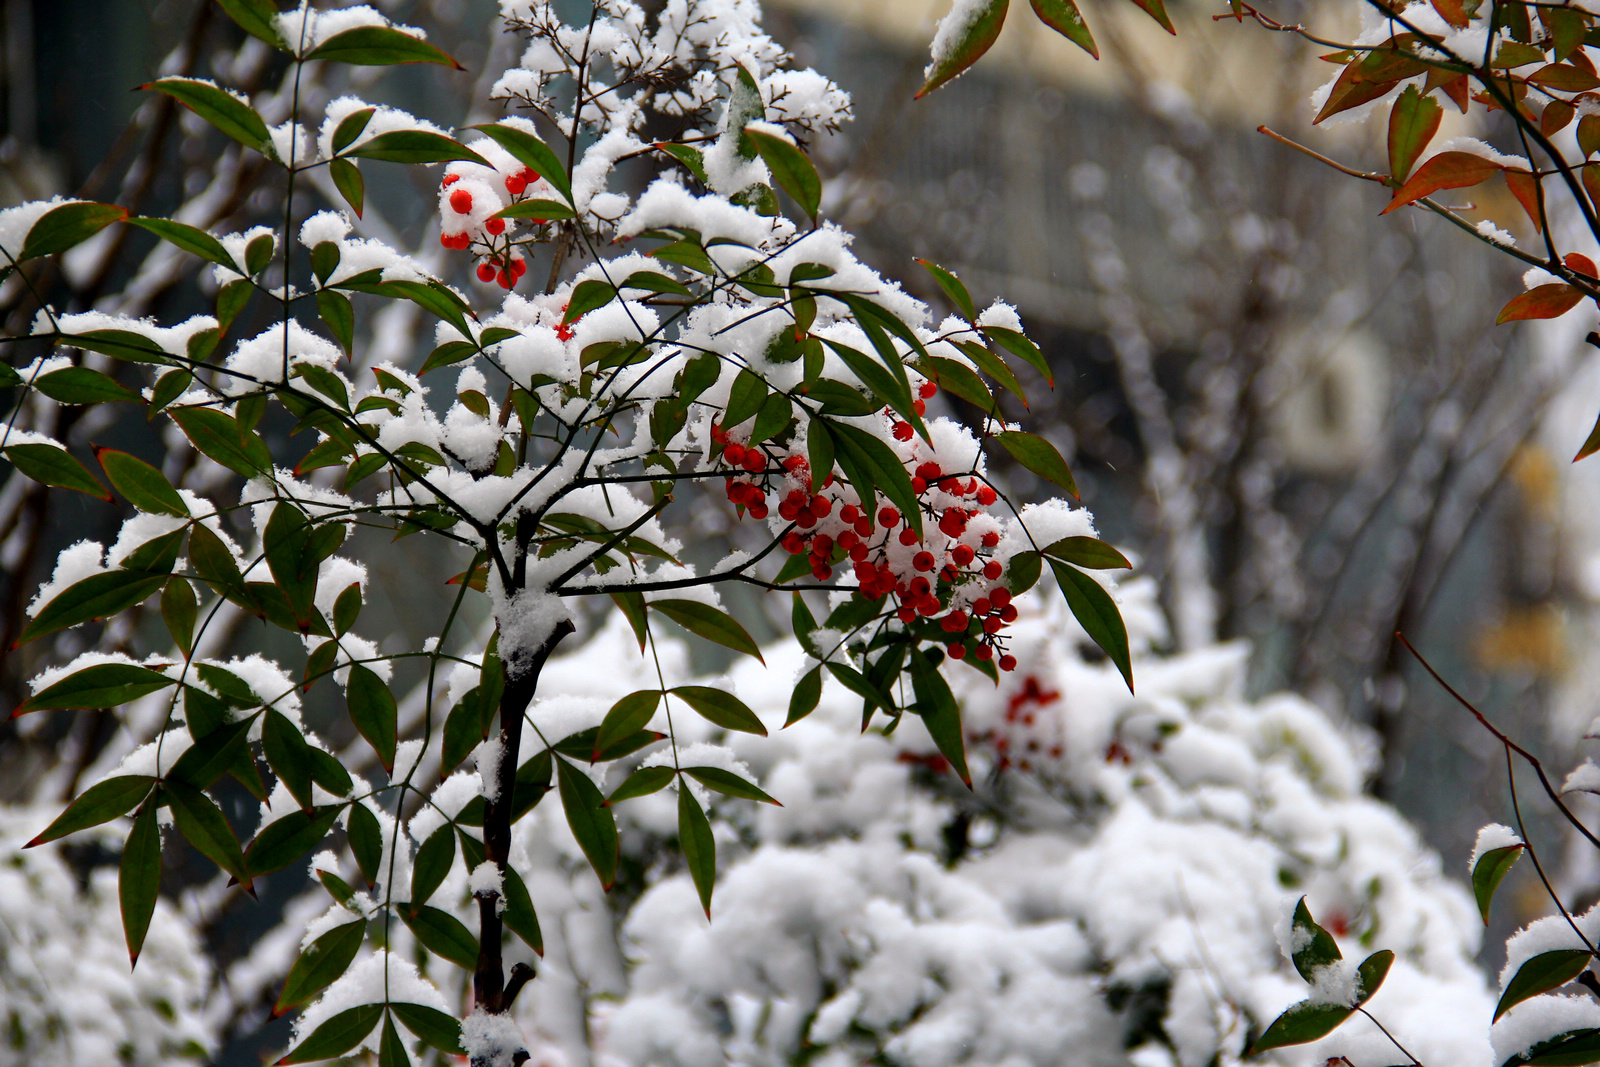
pixel 1371 973
pixel 994 367
pixel 98 804
pixel 1097 613
pixel 189 238
pixel 1157 10
pixel 67 226
pixel 145 487
pixel 957 378
pixel 1087 552
pixel 337 1036
pixel 203 825
pixel 1542 973
pixel 104 685
pixel 171 385
pixel 1301 1023
pixel 819 449
pixel 324 960
pixel 876 464
pixel 640 783
pixel 689 156
pixel 858 684
pixel 519 915
pixel 391 1050
pixel 49 465
pixel 951 284
pixel 379 46
pixel 591 821
pixel 1318 949
pixel 532 783
pixel 745 398
pixel 1063 17
pixel 81 385
pixel 347 179
pixel 139 879
pixel 1019 345
pixel 219 743
pixel 807 692
pixel 1040 457
pixel 373 710
pixel 539 210
pixel 433 862
pixel 442 934
pixel 981 30
pixel 698 844
pixel 433 1026
pixel 120 344
pixel 1570 1049
pixel 720 707
pixel 656 282
pixel 530 152
pixel 289 755
pixel 790 168
pixel 219 107
pixel 729 784
pixel 221 438
pixel 287 546
pixel 1412 123
pixel 414 146
pixel 940 713
pixel 257 18
pixel 1488 872
pixel 180 610
pixel 98 596
pixel 627 717
pixel 337 314
pixel 884 385
pixel 705 621
pixel 366 841
pixel 587 296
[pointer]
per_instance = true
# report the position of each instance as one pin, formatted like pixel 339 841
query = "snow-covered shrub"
pixel 66 994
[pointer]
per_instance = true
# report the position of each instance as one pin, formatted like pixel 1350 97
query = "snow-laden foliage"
pixel 66 995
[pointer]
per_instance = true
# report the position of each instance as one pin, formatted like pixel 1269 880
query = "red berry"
pixel 981 606
pixel 849 513
pixel 461 202
pixel 822 572
pixel 822 544
pixel 990 539
pixel 1008 613
pixel 918 486
pixel 923 561
pixel 519 266
pixel 888 517
pixel 718 434
pixel 908 537
pixel 755 460
pixel 515 185
pixel 805 519
pixel 787 511
pixel 992 569
pixel 504 280
pixel 734 454
pixel 529 175
pixel 919 407
pixel 485 272
pixel 929 605
pixel 758 511
pixel 987 496
pixel 906 613
pixel 985 652
pixel 793 543
pixel 848 540
pixel 919 587
pixel 955 651
pixel 954 622
pixel 495 226
pixel 929 471
pixel 858 551
pixel 863 527
pixel 961 555
pixel 902 431
pixel 992 625
pixel 1000 597
pixel 953 522
pixel 926 390
pixel 1008 663
pixel 821 506
pixel 450 179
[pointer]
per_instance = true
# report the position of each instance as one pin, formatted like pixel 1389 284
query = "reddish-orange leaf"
pixel 1591 446
pixel 1591 181
pixel 1557 114
pixel 1452 12
pixel 981 28
pixel 1581 263
pixel 1412 123
pixel 1525 188
pixel 1541 302
pixel 1157 9
pixel 1579 59
pixel 1371 76
pixel 1589 133
pixel 1447 170
pixel 1563 78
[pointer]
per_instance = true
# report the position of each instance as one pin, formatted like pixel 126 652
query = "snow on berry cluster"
pixel 471 196
pixel 953 572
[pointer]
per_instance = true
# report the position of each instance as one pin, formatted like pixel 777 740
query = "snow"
pixel 1539 1019
pixel 491 1040
pixel 1585 778
pixel 953 29
pixel 82 560
pixel 1491 837
pixel 373 978
pixel 485 880
pixel 15 222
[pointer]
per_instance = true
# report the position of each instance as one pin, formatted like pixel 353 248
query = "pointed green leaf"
pixel 414 146
pixel 104 685
pixel 324 960
pixel 257 18
pixel 1317 947
pixel 391 1050
pixel 965 43
pixel 705 621
pixel 180 610
pixel 347 179
pixel 378 46
pixel 203 825
pixel 519 915
pixel 98 804
pixel 1541 974
pixel 592 823
pixel 640 783
pixel 627 717
pixel 530 152
pixel 1064 17
pixel 139 879
pixel 873 460
pixel 442 934
pixel 67 226
pixel 1487 873
pixel 1301 1023
pixel 721 708
pixel 1087 552
pixel 49 465
pixel 98 596
pixel 222 109
pixel 807 692
pixel 729 784
pixel 221 438
pixel 1563 1050
pixel 790 168
pixel 433 1026
pixel 83 386
pixel 433 862
pixel 1019 345
pixel 189 238
pixel 952 286
pixel 1097 613
pixel 940 714
pixel 289 755
pixel 337 1036
pixel 366 841
pixel 698 844
pixel 145 487
pixel 373 710
pixel 1039 456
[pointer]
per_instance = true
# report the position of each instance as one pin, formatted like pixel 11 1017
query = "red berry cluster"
pixel 828 525
pixel 499 261
pixel 902 429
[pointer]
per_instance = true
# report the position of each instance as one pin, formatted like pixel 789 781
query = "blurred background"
pixel 1296 415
